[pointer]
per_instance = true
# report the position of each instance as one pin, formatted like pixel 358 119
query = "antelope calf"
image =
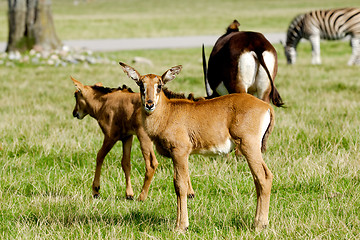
pixel 242 62
pixel 180 127
pixel 118 113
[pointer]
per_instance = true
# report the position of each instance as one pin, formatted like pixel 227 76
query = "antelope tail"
pixel 268 130
pixel 274 94
pixel 207 86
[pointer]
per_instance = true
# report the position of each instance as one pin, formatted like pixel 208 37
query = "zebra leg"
pixel 355 56
pixel 315 46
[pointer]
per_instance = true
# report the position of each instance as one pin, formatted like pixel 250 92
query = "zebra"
pixel 332 24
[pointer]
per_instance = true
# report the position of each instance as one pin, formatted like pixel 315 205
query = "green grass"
pixel 159 18
pixel 48 157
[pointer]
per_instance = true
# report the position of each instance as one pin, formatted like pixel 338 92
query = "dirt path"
pixel 105 45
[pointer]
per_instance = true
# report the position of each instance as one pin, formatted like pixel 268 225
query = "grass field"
pixel 47 158
pixel 92 19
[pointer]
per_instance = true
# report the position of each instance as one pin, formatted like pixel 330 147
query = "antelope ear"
pixel 131 72
pixel 78 85
pixel 234 25
pixel 170 74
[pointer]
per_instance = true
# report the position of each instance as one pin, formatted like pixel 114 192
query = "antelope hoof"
pixel 260 225
pixel 191 195
pixel 96 193
pixel 129 197
pixel 181 229
pixel 142 197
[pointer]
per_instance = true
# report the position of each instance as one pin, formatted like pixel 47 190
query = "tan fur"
pixel 118 112
pixel 181 127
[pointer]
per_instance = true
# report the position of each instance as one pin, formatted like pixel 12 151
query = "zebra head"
pixel 290 54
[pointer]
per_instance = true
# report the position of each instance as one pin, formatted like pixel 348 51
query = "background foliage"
pixel 47 159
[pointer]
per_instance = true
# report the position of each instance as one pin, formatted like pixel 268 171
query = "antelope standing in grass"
pixel 180 127
pixel 242 62
pixel 118 113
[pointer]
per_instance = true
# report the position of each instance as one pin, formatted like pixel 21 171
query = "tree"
pixel 31 26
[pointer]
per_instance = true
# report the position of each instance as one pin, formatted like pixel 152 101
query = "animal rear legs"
pixel 263 180
pixel 104 150
pixel 126 166
pixel 125 163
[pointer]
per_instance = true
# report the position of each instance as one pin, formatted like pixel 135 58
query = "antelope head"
pixel 80 106
pixel 81 94
pixel 150 84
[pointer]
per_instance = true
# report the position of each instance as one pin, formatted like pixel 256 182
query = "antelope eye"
pixel 159 88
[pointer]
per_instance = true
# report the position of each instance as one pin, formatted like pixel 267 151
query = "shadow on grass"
pixel 240 221
pixel 70 211
pixel 71 215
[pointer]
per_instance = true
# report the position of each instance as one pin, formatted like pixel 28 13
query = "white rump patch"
pixel 262 79
pixel 269 60
pixel 248 68
pixel 264 124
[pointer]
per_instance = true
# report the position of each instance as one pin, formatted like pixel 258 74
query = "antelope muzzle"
pixel 149 105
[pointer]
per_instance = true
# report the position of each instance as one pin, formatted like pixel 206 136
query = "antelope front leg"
pixel 126 166
pixel 151 163
pixel 181 184
pixel 104 150
pixel 150 167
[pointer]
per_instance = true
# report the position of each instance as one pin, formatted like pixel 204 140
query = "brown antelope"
pixel 242 62
pixel 118 113
pixel 180 127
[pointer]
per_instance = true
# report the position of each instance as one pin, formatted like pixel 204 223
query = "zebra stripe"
pixel 332 24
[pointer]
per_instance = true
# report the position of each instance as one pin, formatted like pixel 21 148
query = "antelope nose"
pixel 149 104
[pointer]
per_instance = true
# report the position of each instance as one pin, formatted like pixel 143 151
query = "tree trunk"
pixel 31 26
pixel 16 19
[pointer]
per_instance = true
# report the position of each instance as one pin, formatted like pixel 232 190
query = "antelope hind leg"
pixel 263 181
pixel 104 150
